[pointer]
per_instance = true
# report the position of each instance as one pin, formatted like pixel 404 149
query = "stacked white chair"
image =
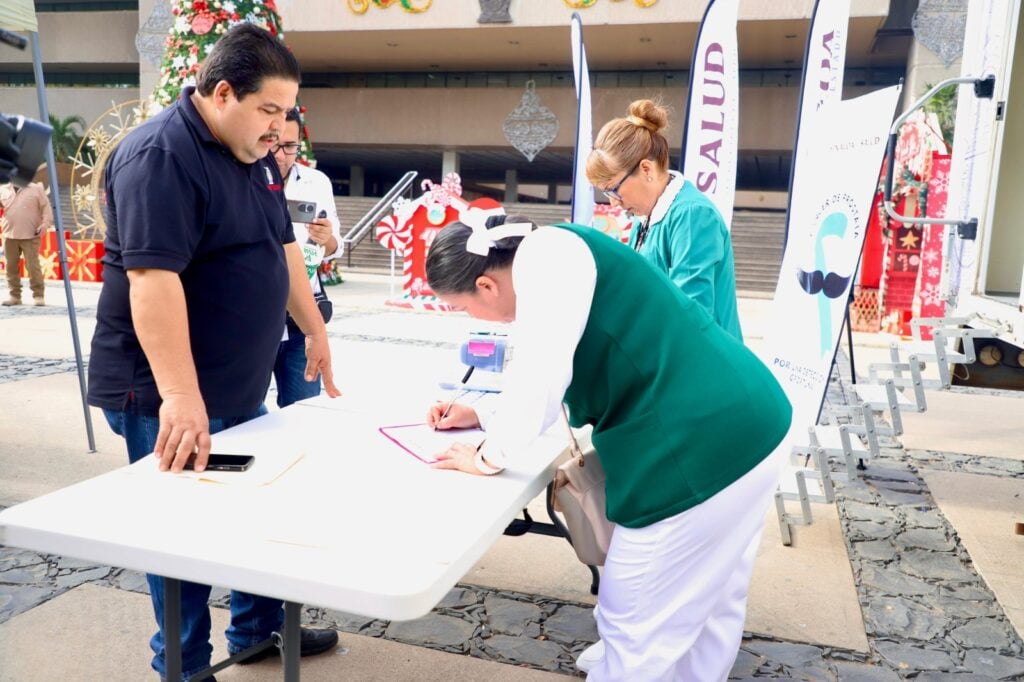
pixel 849 434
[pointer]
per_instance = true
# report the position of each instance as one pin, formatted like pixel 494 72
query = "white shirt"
pixel 309 184
pixel 554 276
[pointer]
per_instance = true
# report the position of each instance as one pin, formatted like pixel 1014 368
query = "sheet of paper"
pixel 424 443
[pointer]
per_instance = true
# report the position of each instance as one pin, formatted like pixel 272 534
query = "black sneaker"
pixel 313 642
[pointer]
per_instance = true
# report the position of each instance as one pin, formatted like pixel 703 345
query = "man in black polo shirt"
pixel 196 283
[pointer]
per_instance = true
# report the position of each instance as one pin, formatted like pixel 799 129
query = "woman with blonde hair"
pixel 678 229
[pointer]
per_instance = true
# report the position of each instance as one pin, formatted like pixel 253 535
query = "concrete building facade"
pixel 389 90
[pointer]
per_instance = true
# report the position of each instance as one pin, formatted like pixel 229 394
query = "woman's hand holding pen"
pixel 457 417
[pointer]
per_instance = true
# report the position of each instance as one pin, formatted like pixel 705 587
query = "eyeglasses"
pixel 289 148
pixel 613 192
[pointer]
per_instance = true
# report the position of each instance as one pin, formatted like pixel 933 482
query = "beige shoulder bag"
pixel 579 495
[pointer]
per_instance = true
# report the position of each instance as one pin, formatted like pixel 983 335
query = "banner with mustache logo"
pixel 829 206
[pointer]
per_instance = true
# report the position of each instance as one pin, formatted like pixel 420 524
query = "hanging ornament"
pixel 151 37
pixel 531 126
pixel 494 12
pixel 939 25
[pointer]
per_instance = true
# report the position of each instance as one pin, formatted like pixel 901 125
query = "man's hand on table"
pixel 184 431
pixel 318 361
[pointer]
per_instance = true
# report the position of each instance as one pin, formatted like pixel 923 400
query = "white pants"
pixel 673 595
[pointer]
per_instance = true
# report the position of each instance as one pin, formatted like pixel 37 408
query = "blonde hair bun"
pixel 645 113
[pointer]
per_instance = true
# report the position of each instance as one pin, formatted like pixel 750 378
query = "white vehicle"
pixel 983 275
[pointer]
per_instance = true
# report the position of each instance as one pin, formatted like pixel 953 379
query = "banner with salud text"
pixel 711 129
pixel 824 62
pixel 582 192
pixel 829 211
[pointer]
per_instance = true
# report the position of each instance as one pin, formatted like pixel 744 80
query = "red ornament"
pixel 202 23
pixel 199 5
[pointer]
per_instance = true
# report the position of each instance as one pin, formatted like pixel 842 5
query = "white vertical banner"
pixel 711 130
pixel 825 57
pixel 987 37
pixel 830 207
pixel 824 62
pixel 582 192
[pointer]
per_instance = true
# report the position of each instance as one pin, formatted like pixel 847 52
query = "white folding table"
pixel 357 524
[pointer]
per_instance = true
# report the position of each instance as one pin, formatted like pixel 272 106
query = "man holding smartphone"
pixel 303 187
pixel 200 267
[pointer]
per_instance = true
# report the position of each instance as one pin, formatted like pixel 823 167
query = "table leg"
pixel 291 644
pixel 172 628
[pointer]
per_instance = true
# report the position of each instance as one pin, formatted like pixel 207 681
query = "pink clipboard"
pixel 422 442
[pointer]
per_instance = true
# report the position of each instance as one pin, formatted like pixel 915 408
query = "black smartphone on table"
pixel 219 462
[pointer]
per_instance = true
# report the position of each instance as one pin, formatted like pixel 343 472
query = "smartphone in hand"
pixel 301 211
pixel 219 462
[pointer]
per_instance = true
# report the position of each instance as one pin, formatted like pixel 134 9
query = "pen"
pixel 455 394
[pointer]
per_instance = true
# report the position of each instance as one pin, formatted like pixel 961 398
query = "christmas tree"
pixel 198 25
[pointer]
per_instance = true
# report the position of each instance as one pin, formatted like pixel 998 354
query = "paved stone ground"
pixel 7 312
pixel 927 613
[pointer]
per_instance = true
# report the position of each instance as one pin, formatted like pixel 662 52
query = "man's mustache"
pixel 831 284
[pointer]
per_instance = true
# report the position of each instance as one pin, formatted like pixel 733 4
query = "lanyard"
pixel 641 234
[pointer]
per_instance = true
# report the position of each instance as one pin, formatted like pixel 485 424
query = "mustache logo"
pixel 830 284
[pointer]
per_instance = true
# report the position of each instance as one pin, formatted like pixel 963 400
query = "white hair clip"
pixel 483 239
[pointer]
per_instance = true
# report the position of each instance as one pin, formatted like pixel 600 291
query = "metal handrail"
pixel 966 227
pixel 363 225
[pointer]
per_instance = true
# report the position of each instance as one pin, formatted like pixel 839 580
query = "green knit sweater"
pixel 680 408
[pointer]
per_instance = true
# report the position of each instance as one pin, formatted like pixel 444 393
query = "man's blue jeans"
pixel 290 370
pixel 253 618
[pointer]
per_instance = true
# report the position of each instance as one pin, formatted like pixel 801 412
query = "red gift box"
pixel 84 257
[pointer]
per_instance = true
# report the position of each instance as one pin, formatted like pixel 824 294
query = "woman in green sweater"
pixel 679 229
pixel 685 420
